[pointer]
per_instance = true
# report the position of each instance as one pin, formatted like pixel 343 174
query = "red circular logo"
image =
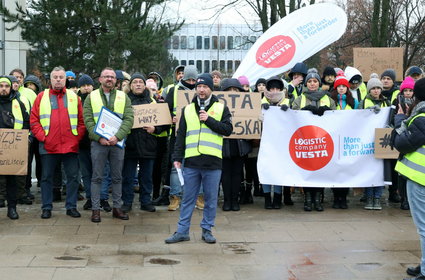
pixel 276 52
pixel 311 147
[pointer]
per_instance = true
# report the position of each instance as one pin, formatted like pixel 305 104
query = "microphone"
pixel 201 106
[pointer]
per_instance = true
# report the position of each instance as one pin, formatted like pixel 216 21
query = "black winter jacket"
pixel 223 127
pixel 139 143
pixel 6 117
pixel 411 139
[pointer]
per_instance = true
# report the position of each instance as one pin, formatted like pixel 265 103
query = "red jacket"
pixel 60 139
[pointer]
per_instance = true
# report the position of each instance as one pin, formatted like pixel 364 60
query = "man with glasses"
pixel 103 149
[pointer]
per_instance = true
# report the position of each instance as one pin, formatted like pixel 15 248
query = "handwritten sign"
pixel 245 108
pixel 377 60
pixel 13 151
pixel 151 115
pixel 382 144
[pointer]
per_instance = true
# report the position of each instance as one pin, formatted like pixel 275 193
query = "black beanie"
pixel 389 73
pixel 85 80
pixel 137 75
pixel 419 89
pixel 329 71
pixel 260 81
pixel 205 79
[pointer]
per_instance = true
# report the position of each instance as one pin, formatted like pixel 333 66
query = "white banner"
pixel 334 150
pixel 293 39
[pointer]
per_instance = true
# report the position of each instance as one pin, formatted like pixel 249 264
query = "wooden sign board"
pixel 13 151
pixel 245 108
pixel 377 60
pixel 382 144
pixel 151 115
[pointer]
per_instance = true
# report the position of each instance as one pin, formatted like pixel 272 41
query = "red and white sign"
pixel 304 150
pixel 293 39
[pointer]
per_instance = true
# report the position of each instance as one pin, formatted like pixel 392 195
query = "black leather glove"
pixel 311 108
pixel 265 106
pixel 321 110
pixel 284 107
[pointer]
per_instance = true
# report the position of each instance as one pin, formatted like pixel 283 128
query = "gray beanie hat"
pixel 389 73
pixel 137 75
pixel 85 80
pixel 374 82
pixel 190 72
pixel 313 73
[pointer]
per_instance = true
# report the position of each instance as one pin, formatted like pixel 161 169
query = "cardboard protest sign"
pixel 13 151
pixel 382 144
pixel 151 115
pixel 245 108
pixel 377 60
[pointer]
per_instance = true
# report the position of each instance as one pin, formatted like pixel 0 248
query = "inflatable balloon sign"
pixel 293 39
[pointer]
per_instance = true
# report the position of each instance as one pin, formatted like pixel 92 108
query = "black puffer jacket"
pixel 139 143
pixel 413 137
pixel 6 117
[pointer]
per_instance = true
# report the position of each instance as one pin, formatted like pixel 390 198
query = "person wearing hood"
pixel 415 72
pixel 13 116
pixel 297 75
pixel 178 74
pixel 275 95
pixel 204 123
pixel 217 77
pixel 357 86
pixel 328 78
pixel 409 140
pixel 186 83
pixel 234 153
pixel 260 86
pixel 317 102
pixel 140 149
pixel 158 80
pixel 33 82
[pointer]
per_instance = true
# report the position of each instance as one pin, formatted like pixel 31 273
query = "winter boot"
pixel 318 201
pixel 337 202
pixel 287 200
pixel 258 190
pixel 268 201
pixel 242 191
pixel 248 199
pixel 277 200
pixel 369 203
pixel 307 201
pixel 163 198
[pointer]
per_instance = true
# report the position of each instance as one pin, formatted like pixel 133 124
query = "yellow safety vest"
pixel 200 139
pixel 97 103
pixel 17 114
pixel 46 110
pixel 282 102
pixel 347 107
pixel 324 101
pixel 295 92
pixel 28 94
pixel 176 88
pixel 363 91
pixel 394 95
pixel 369 103
pixel 412 165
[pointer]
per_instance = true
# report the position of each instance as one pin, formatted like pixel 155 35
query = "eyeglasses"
pixel 109 77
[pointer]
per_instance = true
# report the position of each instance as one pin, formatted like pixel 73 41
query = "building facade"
pixel 212 46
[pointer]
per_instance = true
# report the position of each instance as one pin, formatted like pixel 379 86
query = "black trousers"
pixel 8 182
pixel 33 151
pixel 251 174
pixel 231 177
pixel 160 165
pixel 340 192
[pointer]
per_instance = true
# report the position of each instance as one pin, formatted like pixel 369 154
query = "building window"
pixel 222 42
pixel 230 42
pixel 206 66
pixel 183 62
pixel 245 42
pixel 214 42
pixel 238 42
pixel 183 42
pixel 214 65
pixel 206 43
pixel 199 65
pixel 191 42
pixel 175 42
pixel 199 42
pixel 191 62
pixel 222 65
pixel 237 63
pixel 229 66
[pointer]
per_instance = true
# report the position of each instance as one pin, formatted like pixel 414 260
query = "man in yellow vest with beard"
pixel 199 144
pixel 103 149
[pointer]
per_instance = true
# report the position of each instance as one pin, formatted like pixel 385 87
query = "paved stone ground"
pixel 253 243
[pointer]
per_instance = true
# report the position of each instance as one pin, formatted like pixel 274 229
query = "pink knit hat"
pixel 150 83
pixel 243 80
pixel 407 83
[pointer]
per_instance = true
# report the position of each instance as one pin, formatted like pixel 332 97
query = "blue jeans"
pixel 416 197
pixel 49 163
pixel 375 192
pixel 175 186
pixel 276 189
pixel 145 180
pixel 193 178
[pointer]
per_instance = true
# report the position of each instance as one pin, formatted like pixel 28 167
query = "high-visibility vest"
pixel 347 107
pixel 394 95
pixel 28 94
pixel 17 115
pixel 284 101
pixel 200 139
pixel 369 103
pixel 412 165
pixel 97 103
pixel 324 101
pixel 295 91
pixel 46 110
pixel 176 88
pixel 363 91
